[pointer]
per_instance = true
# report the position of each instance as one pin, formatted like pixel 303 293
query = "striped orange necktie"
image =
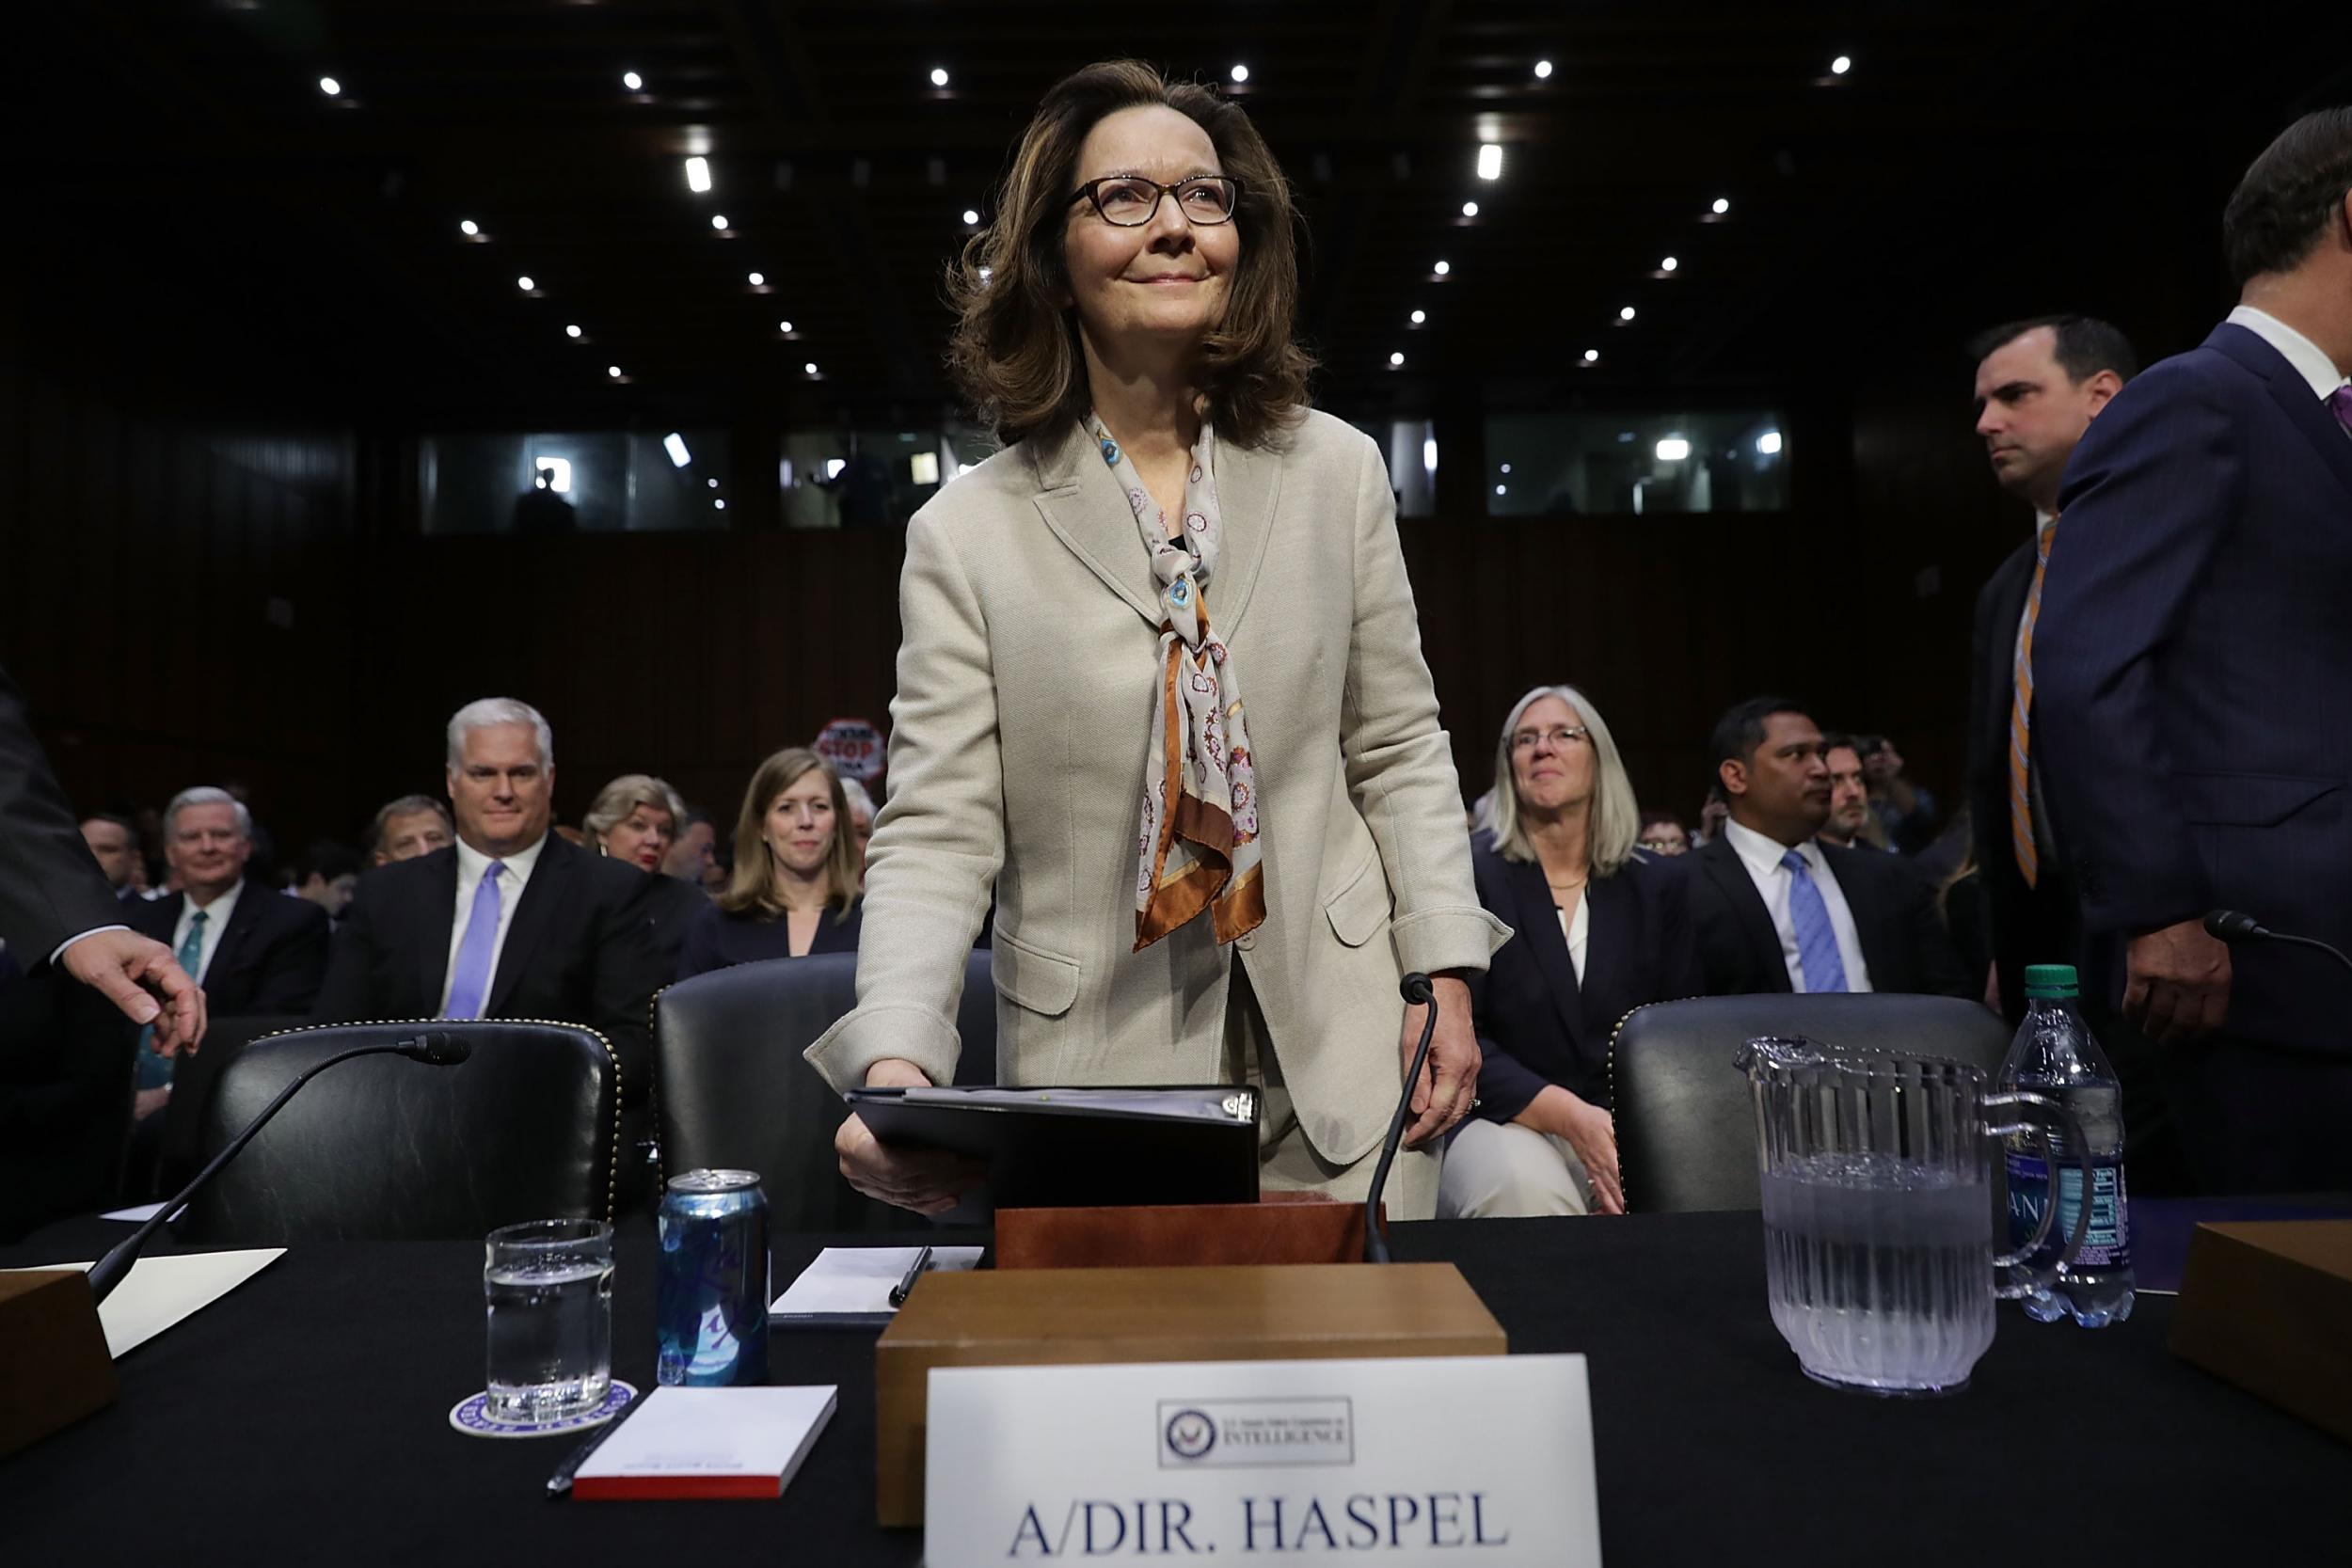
pixel 2020 720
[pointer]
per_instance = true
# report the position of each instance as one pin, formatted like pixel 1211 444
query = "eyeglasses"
pixel 1664 845
pixel 1130 201
pixel 1561 738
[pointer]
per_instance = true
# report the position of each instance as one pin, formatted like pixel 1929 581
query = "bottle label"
pixel 2108 1245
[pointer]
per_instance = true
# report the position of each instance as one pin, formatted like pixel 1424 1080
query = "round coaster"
pixel 468 1415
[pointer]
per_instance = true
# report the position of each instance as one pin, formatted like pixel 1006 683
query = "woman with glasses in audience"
pixel 1601 928
pixel 636 818
pixel 1190 890
pixel 795 888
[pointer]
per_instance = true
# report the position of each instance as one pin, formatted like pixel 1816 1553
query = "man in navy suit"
pixel 2192 686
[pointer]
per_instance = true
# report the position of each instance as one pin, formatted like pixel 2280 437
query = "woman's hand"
pixel 1593 1134
pixel 928 1181
pixel 1449 1078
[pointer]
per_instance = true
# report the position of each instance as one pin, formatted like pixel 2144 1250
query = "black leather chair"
pixel 387 1149
pixel 163 1149
pixel 1686 1124
pixel 731 1090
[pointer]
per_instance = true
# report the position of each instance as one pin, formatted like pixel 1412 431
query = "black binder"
pixel 1070 1148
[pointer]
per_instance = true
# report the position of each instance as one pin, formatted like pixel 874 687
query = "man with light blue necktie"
pixel 1775 909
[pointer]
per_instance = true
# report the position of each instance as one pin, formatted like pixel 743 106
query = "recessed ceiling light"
pixel 572 330
pixel 1420 316
pixel 1672 449
pixel 330 87
pixel 526 283
pixel 1668 263
pixel 1625 314
pixel 698 175
pixel 1502 489
pixel 1241 74
pixel 714 484
pixel 758 278
pixel 674 445
pixel 1491 160
pixel 1723 205
pixel 1592 356
pixel 1441 269
pixel 1396 360
pixel 783 326
pixel 719 220
pixel 633 82
pixel 1543 70
pixel 939 75
pixel 612 370
pixel 1469 209
pixel 809 369
pixel 1841 65
pixel 1506 468
pixel 1768 443
pixel 719 506
pixel 469 228
pixel 971 216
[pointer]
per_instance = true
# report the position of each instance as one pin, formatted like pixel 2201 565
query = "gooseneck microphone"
pixel 2232 925
pixel 434 1050
pixel 1419 991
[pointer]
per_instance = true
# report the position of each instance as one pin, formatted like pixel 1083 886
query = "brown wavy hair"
pixel 1014 352
pixel 752 886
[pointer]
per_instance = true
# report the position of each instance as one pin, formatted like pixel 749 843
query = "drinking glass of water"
pixel 1878 1212
pixel 549 1284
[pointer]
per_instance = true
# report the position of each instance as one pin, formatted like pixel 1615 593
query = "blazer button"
pixel 1248 941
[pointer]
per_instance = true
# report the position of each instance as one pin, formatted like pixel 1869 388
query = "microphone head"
pixel 1417 990
pixel 437 1050
pixel 2232 925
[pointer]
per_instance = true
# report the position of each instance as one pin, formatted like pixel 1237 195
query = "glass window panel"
pixel 1564 463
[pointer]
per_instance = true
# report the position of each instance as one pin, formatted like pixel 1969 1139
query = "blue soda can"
pixel 711 1308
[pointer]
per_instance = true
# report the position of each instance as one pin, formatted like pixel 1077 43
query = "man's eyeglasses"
pixel 1130 201
pixel 1561 738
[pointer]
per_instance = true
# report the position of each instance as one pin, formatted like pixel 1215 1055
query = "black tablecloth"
pixel 303 1418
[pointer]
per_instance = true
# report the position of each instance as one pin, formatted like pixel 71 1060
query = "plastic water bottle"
pixel 2055 1057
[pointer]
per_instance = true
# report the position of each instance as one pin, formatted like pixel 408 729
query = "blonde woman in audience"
pixel 796 888
pixel 1603 927
pixel 635 818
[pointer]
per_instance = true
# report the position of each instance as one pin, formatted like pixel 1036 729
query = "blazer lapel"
pixel 436 917
pixel 1748 912
pixel 551 884
pixel 1082 503
pixel 1539 925
pixel 242 919
pixel 2293 395
pixel 1248 488
pixel 1609 938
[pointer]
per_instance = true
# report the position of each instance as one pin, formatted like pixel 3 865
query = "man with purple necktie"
pixel 511 920
pixel 2193 678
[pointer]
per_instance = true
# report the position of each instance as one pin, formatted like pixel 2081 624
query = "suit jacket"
pixel 581 949
pixel 270 958
pixel 717 940
pixel 1536 1024
pixel 50 887
pixel 1017 748
pixel 1904 940
pixel 2193 671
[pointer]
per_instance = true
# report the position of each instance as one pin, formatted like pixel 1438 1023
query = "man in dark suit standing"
pixel 2040 383
pixel 1778 911
pixel 2193 676
pixel 512 921
pixel 255 952
pixel 55 908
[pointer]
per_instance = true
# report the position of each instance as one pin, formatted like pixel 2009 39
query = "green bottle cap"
pixel 2051 981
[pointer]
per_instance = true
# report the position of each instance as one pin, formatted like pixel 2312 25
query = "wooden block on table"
pixel 1059 1317
pixel 54 1366
pixel 2266 1305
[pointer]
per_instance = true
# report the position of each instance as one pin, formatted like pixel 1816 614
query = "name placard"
pixel 1475 1458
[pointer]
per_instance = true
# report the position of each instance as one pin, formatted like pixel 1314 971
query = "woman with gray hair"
pixel 1601 930
pixel 634 818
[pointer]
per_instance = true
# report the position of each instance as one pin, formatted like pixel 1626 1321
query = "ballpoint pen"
pixel 906 1281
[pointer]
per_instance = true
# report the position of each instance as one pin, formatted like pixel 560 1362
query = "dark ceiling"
pixel 190 186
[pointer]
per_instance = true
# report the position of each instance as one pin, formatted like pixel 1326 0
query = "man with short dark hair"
pixel 115 844
pixel 2040 383
pixel 326 875
pixel 411 826
pixel 2193 676
pixel 1776 909
pixel 1851 820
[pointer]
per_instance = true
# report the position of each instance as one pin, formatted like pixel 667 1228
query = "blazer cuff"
pixel 1461 936
pixel 867 1035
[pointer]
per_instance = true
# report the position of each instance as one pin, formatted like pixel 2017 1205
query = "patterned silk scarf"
pixel 1199 843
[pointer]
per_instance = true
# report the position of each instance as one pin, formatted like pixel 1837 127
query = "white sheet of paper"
pixel 159 1291
pixel 859 1278
pixel 717 1432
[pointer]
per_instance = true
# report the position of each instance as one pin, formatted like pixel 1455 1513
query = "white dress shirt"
pixel 216 915
pixel 1761 856
pixel 2309 360
pixel 472 864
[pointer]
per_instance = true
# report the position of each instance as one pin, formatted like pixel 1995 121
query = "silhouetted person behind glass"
pixel 540 510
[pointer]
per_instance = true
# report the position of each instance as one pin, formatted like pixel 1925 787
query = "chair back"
pixel 1686 1123
pixel 387 1149
pixel 732 1091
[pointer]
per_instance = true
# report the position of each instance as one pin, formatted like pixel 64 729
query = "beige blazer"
pixel 1017 753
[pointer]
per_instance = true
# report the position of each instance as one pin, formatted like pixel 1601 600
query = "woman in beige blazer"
pixel 1161 684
